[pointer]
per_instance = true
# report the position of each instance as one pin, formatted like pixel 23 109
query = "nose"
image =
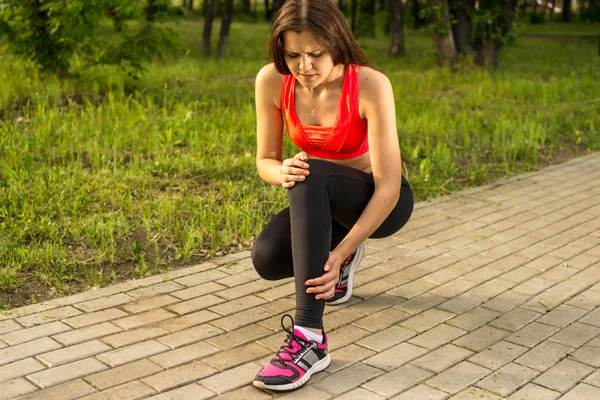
pixel 305 63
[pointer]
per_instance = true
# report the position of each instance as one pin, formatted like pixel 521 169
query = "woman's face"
pixel 308 61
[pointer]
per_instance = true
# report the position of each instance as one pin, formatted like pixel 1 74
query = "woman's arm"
pixel 377 103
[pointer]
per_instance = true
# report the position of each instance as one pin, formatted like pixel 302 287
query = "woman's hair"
pixel 325 22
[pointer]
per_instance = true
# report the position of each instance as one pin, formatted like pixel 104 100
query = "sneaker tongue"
pixel 298 333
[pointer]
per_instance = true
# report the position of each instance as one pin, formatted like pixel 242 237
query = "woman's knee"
pixel 265 260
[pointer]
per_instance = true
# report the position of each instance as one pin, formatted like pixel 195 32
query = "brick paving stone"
pixel 280 306
pixel 146 304
pixel 202 277
pixel 506 301
pixel 398 380
pixel 442 358
pixel 534 392
pixel 25 350
pixel 134 336
pixel 73 353
pixel 453 288
pixel 594 379
pixel 508 379
pixel 232 379
pixel 184 354
pixel 187 321
pixel 48 316
pixel 347 356
pixel 481 338
pixel 243 290
pixel 492 288
pixel 36 332
pixel 592 318
pixel 9 326
pixel 155 290
pixel 345 336
pixel 473 318
pixel 588 300
pixel 475 393
pixel 533 286
pixel 195 304
pixel 148 317
pixel 422 392
pixel 85 334
pixel 421 303
pixel 413 289
pixel 374 288
pixel 564 375
pixel 239 336
pixel 458 377
pixel 237 305
pixel 65 391
pixel 193 391
pixel 245 393
pixel 123 374
pixel 278 292
pixel 498 355
pixel 199 290
pixel 559 273
pixel 19 369
pixel 386 338
pixel 583 261
pixel 426 320
pixel 382 319
pixel 562 316
pixel 179 376
pixel 190 335
pixel 104 302
pixel 360 394
pixel 570 287
pixel 132 352
pixel 462 303
pixel 235 321
pixel 349 378
pixel 15 387
pixel 576 334
pixel 236 356
pixel 97 317
pixel 437 336
pixel 544 355
pixel 394 357
pixel 545 302
pixel 339 318
pixel 582 392
pixel 66 372
pixel 376 303
pixel 309 392
pixel 483 274
pixel 520 274
pixel 514 319
pixel 589 354
pixel 239 278
pixel 129 391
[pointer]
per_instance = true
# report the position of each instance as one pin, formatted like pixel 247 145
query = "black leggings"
pixel 296 242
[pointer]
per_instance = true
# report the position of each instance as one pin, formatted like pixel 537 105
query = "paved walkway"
pixel 489 293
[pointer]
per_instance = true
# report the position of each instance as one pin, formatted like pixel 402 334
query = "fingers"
pixel 294 170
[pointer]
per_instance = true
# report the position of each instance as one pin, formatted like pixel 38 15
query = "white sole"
pixel 360 252
pixel 318 367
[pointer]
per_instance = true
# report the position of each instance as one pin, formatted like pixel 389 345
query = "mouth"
pixel 307 76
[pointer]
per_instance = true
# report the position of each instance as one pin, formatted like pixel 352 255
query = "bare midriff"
pixel 362 162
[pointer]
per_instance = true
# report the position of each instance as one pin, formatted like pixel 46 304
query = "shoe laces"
pixel 288 346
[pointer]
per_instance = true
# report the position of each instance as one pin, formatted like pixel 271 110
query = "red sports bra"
pixel 347 138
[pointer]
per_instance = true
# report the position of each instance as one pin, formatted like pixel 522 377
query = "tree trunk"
pixel 488 51
pixel 342 6
pixel 396 28
pixel 211 12
pixel 443 40
pixel 276 6
pixel 566 11
pixel 366 21
pixel 487 54
pixel 416 14
pixel 267 10
pixel 225 24
pixel 354 12
pixel 151 10
pixel 246 7
pixel 190 5
pixel 461 30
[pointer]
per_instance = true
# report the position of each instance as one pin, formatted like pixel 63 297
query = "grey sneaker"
pixel 343 289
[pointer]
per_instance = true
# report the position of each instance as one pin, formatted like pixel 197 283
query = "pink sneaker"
pixel 297 360
pixel 343 289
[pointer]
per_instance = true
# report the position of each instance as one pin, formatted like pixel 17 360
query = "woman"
pixel 345 185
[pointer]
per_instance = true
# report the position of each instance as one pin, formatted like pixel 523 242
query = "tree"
pixel 443 39
pixel 493 21
pixel 225 24
pixel 50 32
pixel 209 16
pixel 396 28
pixel 365 23
pixel 566 10
pixel 460 11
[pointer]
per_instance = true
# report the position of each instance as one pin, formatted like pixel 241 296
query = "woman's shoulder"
pixel 269 81
pixel 371 79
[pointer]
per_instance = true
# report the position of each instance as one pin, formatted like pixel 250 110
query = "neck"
pixel 332 80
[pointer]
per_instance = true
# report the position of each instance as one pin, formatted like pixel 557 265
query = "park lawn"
pixel 105 178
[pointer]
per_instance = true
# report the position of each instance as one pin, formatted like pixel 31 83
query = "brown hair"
pixel 325 22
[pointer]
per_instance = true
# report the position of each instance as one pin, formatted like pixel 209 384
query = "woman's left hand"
pixel 324 286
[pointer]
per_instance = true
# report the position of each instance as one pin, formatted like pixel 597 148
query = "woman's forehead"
pixel 300 42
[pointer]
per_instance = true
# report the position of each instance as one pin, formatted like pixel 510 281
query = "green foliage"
pixel 491 22
pixel 50 33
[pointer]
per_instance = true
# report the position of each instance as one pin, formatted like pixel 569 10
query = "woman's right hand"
pixel 294 170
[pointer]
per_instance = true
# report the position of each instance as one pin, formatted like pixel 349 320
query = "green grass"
pixel 105 178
